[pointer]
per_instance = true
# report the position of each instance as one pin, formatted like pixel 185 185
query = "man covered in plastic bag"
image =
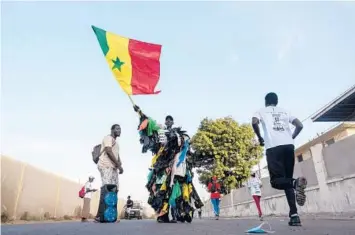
pixel 170 177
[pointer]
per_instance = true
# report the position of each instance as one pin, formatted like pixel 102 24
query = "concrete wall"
pixel 306 155
pixel 331 185
pixel 339 158
pixel 25 188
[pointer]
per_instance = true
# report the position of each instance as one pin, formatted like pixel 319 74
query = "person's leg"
pixel 88 207
pixel 214 205
pixel 289 164
pixel 114 178
pixel 217 205
pixel 291 200
pixel 173 215
pixel 300 183
pixel 105 175
pixel 257 203
pixel 275 160
pixel 86 210
pixel 82 211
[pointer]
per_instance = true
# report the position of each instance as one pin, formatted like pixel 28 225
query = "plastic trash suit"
pixel 169 182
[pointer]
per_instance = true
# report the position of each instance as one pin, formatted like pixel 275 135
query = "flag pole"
pixel 130 98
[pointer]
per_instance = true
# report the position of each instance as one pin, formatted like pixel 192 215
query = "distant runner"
pixel 215 189
pixel 254 185
pixel 280 152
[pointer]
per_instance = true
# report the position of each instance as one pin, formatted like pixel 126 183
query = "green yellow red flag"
pixel 135 64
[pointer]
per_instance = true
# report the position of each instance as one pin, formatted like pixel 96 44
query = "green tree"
pixel 224 148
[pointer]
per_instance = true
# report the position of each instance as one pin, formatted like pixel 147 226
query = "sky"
pixel 59 98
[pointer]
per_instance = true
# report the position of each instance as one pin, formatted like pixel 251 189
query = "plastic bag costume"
pixel 170 174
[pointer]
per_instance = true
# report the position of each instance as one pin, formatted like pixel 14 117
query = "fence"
pixel 28 190
pixel 331 185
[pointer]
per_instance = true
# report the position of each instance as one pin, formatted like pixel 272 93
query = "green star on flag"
pixel 117 64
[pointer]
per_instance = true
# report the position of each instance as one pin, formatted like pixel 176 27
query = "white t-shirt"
pixel 254 184
pixel 104 160
pixel 88 186
pixel 276 126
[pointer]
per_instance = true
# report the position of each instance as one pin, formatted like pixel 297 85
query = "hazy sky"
pixel 59 97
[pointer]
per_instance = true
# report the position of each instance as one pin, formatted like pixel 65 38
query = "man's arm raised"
pixel 138 110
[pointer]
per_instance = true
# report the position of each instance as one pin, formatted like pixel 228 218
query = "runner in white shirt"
pixel 254 185
pixel 280 152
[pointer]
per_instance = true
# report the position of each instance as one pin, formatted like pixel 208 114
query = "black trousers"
pixel 281 162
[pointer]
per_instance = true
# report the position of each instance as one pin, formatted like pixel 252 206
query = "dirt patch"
pixel 16 222
pixel 27 218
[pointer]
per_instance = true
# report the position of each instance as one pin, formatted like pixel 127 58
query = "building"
pixel 342 109
pixel 304 152
pixel 340 132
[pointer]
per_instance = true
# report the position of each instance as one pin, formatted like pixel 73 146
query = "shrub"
pixel 67 217
pixel 5 218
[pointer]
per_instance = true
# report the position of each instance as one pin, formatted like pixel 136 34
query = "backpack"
pixel 96 152
pixel 82 192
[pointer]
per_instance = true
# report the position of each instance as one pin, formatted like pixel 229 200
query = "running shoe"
pixel 300 186
pixel 295 221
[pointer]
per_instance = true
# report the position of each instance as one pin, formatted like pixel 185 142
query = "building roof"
pixel 342 109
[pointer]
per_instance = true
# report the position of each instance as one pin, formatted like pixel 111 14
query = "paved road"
pixel 198 227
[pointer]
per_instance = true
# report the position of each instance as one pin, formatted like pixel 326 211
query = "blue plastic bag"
pixel 259 229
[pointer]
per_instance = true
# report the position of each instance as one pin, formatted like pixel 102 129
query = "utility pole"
pixel 19 189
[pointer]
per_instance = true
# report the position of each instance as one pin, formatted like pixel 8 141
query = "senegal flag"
pixel 134 64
